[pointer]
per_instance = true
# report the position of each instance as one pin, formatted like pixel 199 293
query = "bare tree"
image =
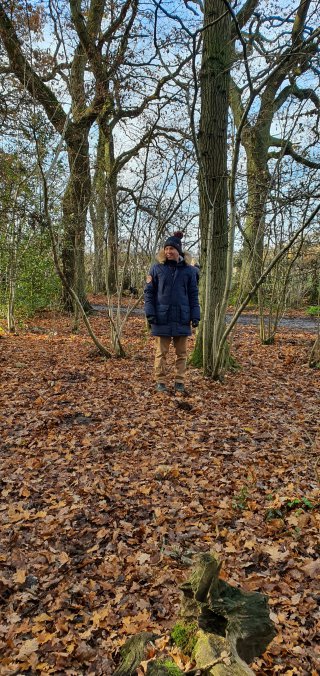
pixel 95 76
pixel 286 58
pixel 73 128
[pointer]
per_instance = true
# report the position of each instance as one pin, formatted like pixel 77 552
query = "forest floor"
pixel 109 490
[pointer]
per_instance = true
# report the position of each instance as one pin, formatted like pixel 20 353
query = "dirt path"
pixel 247 319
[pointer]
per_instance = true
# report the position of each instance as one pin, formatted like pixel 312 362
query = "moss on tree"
pixel 184 636
pixel 163 668
pixel 196 357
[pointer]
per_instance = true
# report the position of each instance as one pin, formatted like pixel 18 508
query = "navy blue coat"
pixel 171 296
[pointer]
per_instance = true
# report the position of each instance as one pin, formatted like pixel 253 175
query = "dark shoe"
pixel 161 387
pixel 179 387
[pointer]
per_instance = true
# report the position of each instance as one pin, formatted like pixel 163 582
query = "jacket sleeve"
pixel 150 291
pixel 193 298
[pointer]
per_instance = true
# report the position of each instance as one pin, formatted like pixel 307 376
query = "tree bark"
pixel 98 217
pixel 111 212
pixel 74 219
pixel 212 143
pixel 132 653
pixel 314 359
pixel 256 145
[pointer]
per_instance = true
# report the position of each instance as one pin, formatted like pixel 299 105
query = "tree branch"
pixel 288 149
pixel 26 74
pixel 238 35
pixel 88 44
pixel 297 92
pixel 244 15
pixel 124 39
pixel 299 22
pixel 107 35
pixel 134 112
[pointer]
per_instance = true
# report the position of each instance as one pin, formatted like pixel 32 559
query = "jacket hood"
pixel 161 257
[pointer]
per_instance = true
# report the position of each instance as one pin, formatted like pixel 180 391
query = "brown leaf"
pixel 20 576
pixel 27 648
pixel 312 568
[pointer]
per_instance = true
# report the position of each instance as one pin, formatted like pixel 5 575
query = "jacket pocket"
pixel 162 314
pixel 185 314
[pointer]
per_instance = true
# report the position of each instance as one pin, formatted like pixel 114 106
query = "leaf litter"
pixel 109 490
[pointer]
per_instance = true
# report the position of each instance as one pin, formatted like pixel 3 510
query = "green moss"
pixel 163 668
pixel 196 358
pixel 268 341
pixel 313 310
pixel 233 364
pixel 184 636
pixel 172 668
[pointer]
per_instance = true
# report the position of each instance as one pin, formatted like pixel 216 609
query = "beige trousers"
pixel 160 362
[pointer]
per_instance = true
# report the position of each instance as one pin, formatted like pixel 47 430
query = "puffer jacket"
pixel 171 295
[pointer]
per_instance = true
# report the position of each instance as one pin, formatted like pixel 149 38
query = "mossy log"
pixel 132 653
pixel 163 668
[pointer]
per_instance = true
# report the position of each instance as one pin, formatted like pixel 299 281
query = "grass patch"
pixel 313 310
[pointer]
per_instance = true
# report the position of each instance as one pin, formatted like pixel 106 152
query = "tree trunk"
pixel 75 206
pixel 98 216
pixel 75 134
pixel 214 80
pixel 112 214
pixel 256 144
pixel 11 274
pixel 314 359
pixel 11 299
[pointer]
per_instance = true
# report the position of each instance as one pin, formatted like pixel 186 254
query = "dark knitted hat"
pixel 175 241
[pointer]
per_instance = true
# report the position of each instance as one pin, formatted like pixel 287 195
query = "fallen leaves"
pixel 107 492
pixel 27 648
pixel 19 576
pixel 312 568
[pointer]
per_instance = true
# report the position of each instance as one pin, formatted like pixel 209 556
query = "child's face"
pixel 171 253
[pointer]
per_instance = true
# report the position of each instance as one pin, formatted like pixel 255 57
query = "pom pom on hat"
pixel 175 241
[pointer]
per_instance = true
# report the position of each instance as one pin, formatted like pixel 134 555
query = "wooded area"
pixel 121 123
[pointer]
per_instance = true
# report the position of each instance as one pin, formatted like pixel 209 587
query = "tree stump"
pixel 230 627
pixel 241 619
